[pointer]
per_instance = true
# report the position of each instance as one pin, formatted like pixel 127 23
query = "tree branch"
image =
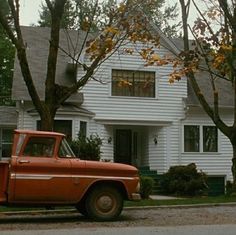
pixel 214 115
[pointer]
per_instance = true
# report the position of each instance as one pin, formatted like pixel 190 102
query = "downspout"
pixel 183 118
pixel 22 114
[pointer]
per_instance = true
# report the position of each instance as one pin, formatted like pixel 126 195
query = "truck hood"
pixel 103 168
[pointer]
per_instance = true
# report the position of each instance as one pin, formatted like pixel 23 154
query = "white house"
pixel 151 123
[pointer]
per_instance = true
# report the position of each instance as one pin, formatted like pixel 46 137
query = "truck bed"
pixel 4 172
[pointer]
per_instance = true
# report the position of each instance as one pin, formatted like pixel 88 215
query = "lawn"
pixel 151 202
pixel 184 201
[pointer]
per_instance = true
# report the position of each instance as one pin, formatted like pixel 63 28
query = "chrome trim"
pixel 48 177
pixel 135 197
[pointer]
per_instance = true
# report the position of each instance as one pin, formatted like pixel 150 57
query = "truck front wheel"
pixel 104 203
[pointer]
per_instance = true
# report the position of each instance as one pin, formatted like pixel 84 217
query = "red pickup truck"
pixel 43 171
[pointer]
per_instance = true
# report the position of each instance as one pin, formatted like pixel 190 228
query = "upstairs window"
pixel 133 83
pixel 200 138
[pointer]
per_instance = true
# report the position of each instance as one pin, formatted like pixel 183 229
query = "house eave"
pixel 200 107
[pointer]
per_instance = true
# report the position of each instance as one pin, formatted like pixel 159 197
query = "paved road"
pixel 217 219
pixel 179 230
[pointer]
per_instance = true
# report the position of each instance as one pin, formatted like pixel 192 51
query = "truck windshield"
pixel 65 150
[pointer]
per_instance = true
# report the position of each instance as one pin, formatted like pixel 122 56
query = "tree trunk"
pixel 47 120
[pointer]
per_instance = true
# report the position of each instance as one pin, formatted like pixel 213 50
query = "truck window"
pixel 65 151
pixel 39 147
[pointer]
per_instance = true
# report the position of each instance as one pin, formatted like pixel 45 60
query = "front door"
pixel 123 146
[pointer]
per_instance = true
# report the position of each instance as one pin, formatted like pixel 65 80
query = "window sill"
pixel 201 153
pixel 133 97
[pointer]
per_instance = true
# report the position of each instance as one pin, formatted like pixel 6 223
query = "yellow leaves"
pixel 108 44
pixel 111 30
pixel 124 83
pixel 218 60
pixel 85 25
pixel 129 51
pixel 146 52
pixel 100 47
pixel 122 7
pixel 176 76
pixel 153 58
pixel 228 48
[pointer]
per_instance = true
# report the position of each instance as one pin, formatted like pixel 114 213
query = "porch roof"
pixel 122 122
pixel 8 116
pixel 68 109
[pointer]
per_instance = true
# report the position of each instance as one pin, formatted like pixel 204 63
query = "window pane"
pixel 65 127
pixel 39 146
pixel 191 138
pixel 6 150
pixel 210 139
pixel 6 143
pixel 83 128
pixel 133 83
pixel 7 135
pixel 62 126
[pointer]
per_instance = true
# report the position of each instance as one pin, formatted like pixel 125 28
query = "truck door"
pixel 39 175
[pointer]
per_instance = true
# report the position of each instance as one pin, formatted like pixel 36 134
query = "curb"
pixel 65 211
pixel 182 206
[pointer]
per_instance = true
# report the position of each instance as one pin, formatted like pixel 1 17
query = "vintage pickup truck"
pixel 43 171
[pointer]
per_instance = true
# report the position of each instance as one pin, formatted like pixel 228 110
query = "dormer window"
pixel 133 83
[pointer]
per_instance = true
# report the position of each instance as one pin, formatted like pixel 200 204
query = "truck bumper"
pixel 135 197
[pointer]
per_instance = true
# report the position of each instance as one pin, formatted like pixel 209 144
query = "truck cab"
pixel 44 171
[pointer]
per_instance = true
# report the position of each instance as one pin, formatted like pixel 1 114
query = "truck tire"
pixel 104 203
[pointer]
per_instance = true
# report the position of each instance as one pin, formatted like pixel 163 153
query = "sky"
pixel 29 11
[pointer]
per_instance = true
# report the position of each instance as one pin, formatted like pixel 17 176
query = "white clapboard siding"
pixel 157 152
pixel 211 163
pixel 167 106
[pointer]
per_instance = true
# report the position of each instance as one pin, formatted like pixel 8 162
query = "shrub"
pixel 146 186
pixel 184 180
pixel 87 148
pixel 230 188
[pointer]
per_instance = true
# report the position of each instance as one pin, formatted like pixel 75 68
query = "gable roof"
pixel 8 116
pixel 37 43
pixel 225 91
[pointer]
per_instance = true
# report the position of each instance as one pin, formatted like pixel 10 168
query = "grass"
pixel 184 201
pixel 150 202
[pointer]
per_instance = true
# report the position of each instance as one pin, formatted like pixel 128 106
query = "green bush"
pixel 230 188
pixel 184 181
pixel 87 148
pixel 146 186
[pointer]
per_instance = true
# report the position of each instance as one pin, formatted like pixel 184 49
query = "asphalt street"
pixel 179 230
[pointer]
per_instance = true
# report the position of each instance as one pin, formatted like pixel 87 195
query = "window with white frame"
pixel 199 138
pixel 133 83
